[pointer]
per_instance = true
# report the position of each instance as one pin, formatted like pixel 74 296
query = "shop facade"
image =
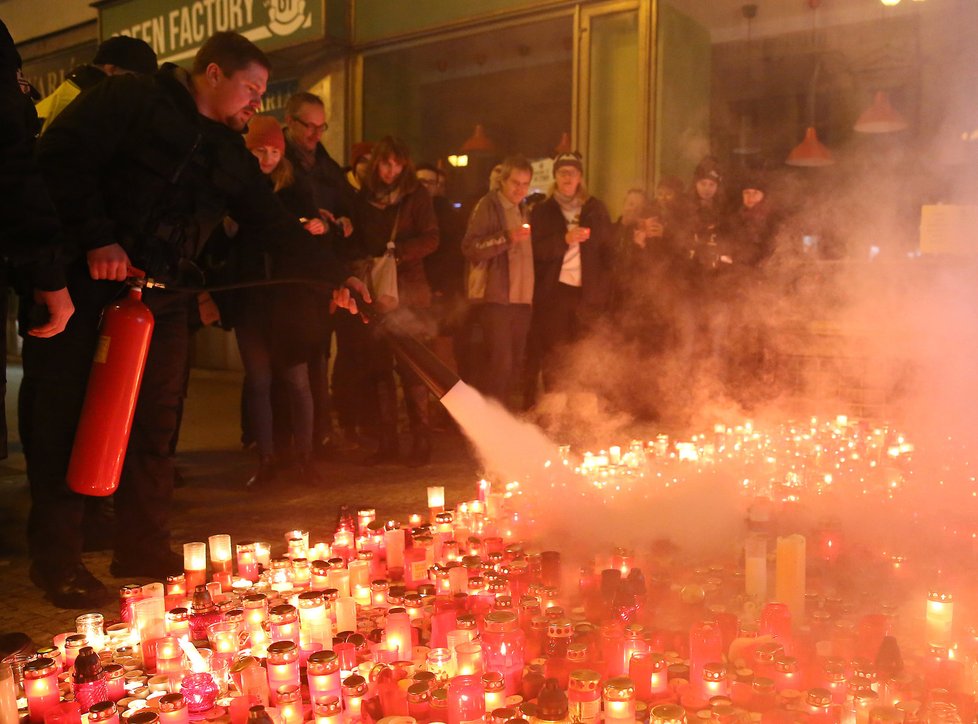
pixel 642 88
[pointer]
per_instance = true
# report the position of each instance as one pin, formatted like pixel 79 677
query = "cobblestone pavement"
pixel 213 500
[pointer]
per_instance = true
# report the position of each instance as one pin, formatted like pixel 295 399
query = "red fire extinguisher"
pixel 110 399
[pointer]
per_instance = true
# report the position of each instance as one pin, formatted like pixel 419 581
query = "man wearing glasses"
pixel 322 177
pixel 305 124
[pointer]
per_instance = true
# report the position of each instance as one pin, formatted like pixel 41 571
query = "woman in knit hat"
pixel 277 326
pixel 573 250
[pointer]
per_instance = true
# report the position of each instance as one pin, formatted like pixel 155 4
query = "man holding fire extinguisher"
pixel 141 170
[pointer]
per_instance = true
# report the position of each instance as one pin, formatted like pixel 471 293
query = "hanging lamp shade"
pixel 564 145
pixel 810 152
pixel 880 117
pixel 478 141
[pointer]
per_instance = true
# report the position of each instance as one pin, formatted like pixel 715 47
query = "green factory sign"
pixel 177 28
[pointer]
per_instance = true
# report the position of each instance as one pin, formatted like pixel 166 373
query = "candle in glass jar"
pixel 323 674
pixel 715 680
pixel 755 567
pixel 327 710
pixel 339 578
pixel 195 564
pixel 359 574
pixel 436 499
pixel 41 687
pixel 173 709
pixel 283 623
pixel 619 700
pixel 365 516
pixel 397 632
pixel 354 689
pixel 667 714
pixel 220 550
pixel 283 666
pixel 91 626
pixel 940 617
pixel 169 655
pixel 104 712
pixel 247 561
pixel 468 658
pixel 115 681
pixel 466 703
pixel 72 645
pixel 584 696
pixel 263 553
pixel 314 624
pixel 298 535
pixel 394 544
pixel 224 637
pixel 346 614
pixel 289 704
pixel 493 690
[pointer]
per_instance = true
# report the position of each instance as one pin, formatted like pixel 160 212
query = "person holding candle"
pixel 573 248
pixel 500 274
pixel 141 169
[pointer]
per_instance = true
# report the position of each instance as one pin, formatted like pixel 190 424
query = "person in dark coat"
pixel 445 269
pixel 30 233
pixel 704 240
pixel 756 223
pixel 393 207
pixel 316 170
pixel 277 326
pixel 573 250
pixel 141 170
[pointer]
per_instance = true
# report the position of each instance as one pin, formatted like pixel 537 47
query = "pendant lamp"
pixel 880 117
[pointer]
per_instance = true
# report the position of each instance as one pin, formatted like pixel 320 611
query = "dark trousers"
pixel 51 396
pixel 319 387
pixel 353 396
pixel 505 327
pixel 557 322
pixel 382 363
pixel 261 372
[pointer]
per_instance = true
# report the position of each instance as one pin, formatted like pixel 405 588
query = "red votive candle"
pixel 466 700
pixel 41 687
pixel 199 691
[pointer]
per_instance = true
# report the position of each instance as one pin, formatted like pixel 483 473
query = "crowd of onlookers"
pixel 500 289
pixel 139 168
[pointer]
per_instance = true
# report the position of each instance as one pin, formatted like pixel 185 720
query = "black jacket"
pixel 325 179
pixel 131 161
pixel 549 228
pixel 30 234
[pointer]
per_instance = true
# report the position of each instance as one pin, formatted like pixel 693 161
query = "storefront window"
pixel 745 82
pixel 516 82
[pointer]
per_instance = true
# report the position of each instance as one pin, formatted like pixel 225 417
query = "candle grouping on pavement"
pixel 461 615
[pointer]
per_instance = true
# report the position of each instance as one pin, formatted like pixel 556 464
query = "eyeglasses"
pixel 318 128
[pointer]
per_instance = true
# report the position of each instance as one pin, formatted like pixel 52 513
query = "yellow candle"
pixel 940 615
pixel 790 574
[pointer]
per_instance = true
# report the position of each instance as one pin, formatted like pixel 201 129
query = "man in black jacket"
pixel 30 234
pixel 141 170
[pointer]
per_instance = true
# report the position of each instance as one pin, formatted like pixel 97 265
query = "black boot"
pixel 264 475
pixel 308 475
pixel 387 450
pixel 418 406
